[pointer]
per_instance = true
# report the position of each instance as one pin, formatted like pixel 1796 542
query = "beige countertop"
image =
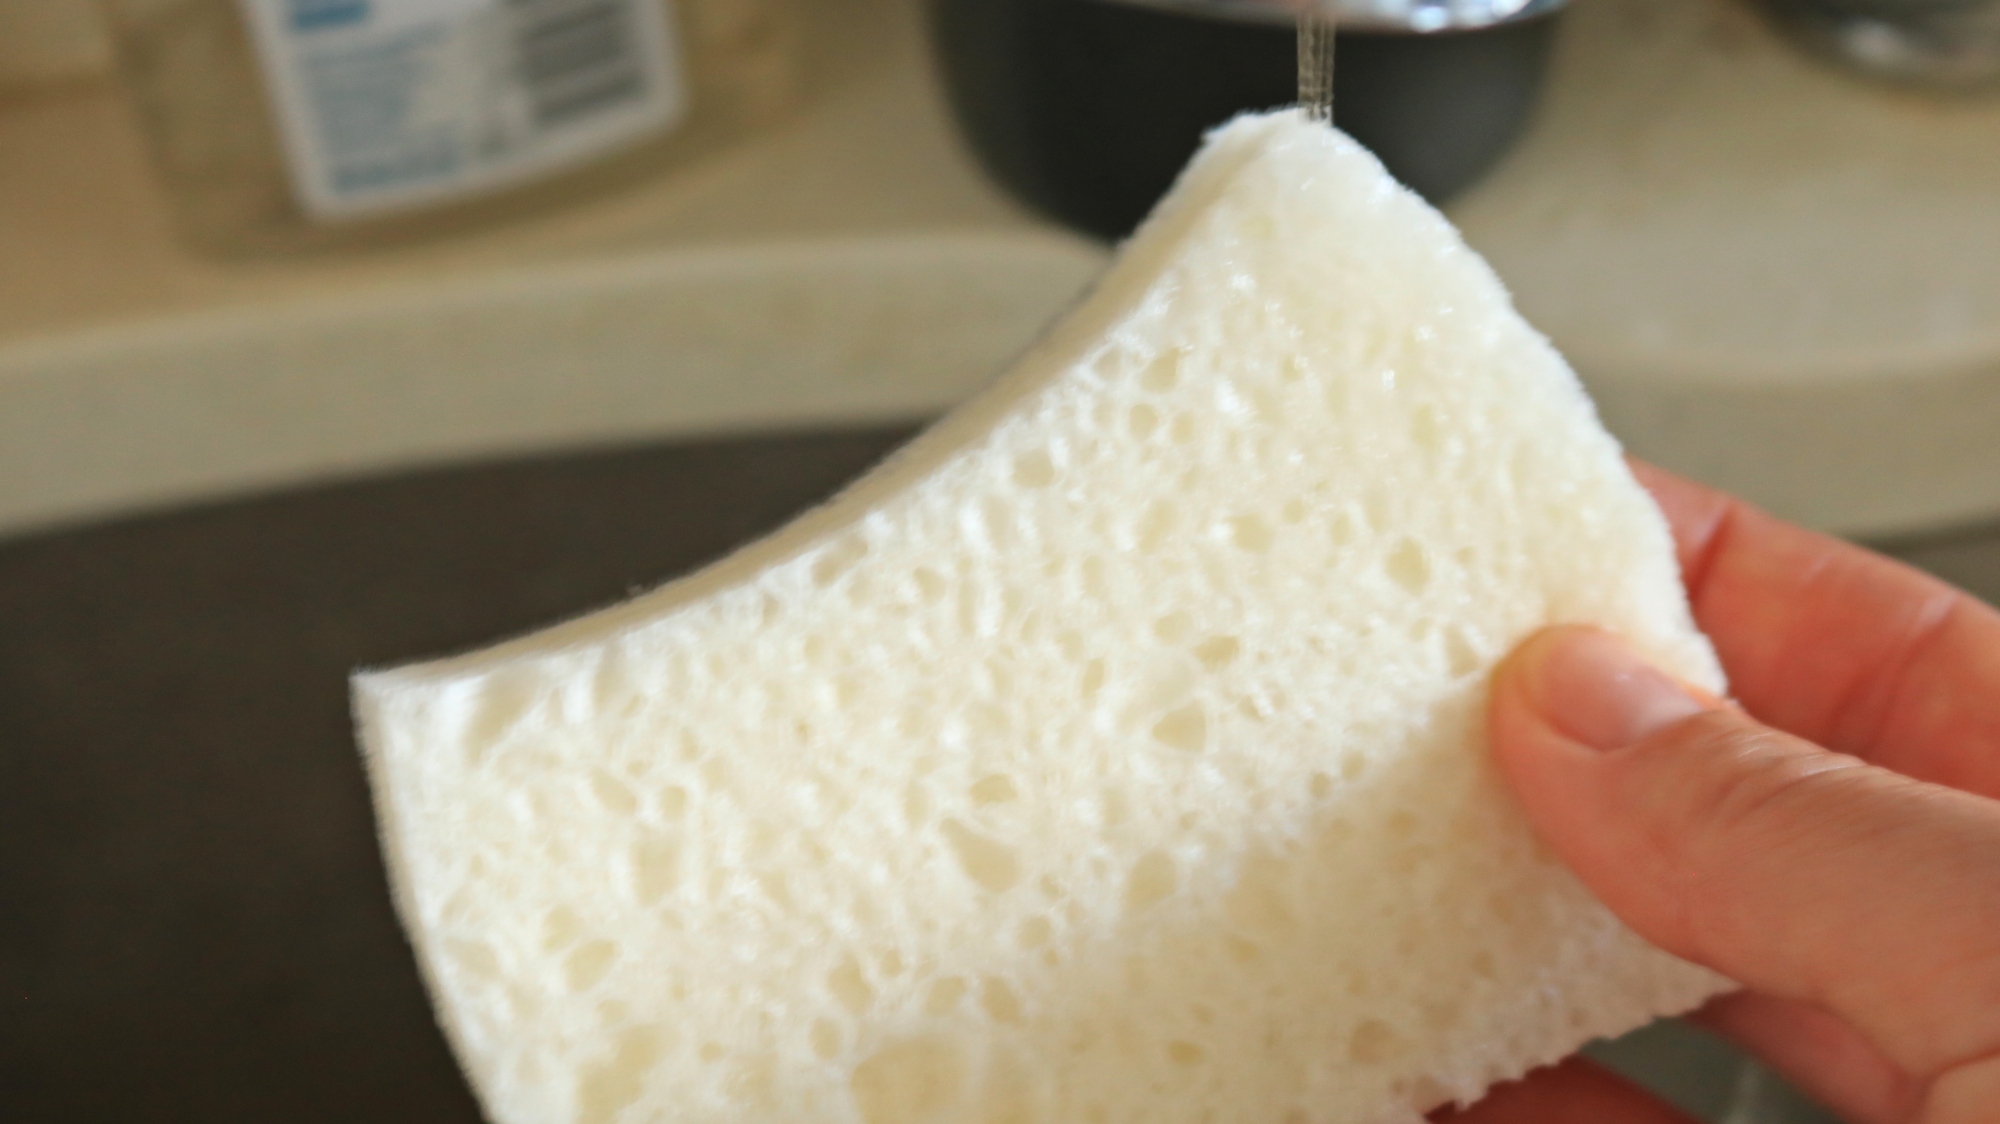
pixel 1769 275
pixel 86 242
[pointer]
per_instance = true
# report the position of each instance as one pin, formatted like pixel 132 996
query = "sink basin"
pixel 197 926
pixel 206 526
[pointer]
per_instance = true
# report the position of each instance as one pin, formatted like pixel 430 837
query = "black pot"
pixel 1087 109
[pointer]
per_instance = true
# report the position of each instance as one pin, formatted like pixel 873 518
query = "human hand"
pixel 1831 841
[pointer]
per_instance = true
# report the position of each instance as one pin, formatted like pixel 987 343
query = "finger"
pixel 1818 1052
pixel 1574 1092
pixel 1838 645
pixel 1800 873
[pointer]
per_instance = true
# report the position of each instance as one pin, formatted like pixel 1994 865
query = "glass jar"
pixel 294 125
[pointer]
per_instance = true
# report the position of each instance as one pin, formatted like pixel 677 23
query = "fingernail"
pixel 1592 687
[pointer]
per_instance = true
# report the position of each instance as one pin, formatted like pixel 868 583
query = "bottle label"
pixel 386 105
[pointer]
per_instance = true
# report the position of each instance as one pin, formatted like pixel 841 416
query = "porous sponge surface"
pixel 1115 755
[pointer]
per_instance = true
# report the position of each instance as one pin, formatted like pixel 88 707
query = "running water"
pixel 1316 59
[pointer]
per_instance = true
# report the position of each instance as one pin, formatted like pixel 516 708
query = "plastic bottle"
pixel 292 125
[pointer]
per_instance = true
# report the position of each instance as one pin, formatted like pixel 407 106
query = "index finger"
pixel 1840 645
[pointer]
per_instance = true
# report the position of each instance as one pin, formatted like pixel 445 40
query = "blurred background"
pixel 335 333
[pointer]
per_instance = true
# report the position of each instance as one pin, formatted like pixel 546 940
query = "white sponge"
pixel 1113 754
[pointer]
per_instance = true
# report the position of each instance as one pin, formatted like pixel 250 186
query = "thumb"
pixel 1796 871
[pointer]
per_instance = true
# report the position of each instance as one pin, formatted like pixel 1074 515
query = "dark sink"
pixel 193 919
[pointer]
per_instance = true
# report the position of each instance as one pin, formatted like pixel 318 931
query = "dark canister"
pixel 1086 109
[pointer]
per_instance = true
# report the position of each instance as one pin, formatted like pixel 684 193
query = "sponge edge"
pixel 1113 753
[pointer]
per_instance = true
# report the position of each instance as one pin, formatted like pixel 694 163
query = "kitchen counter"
pixel 1772 277
pixel 850 266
